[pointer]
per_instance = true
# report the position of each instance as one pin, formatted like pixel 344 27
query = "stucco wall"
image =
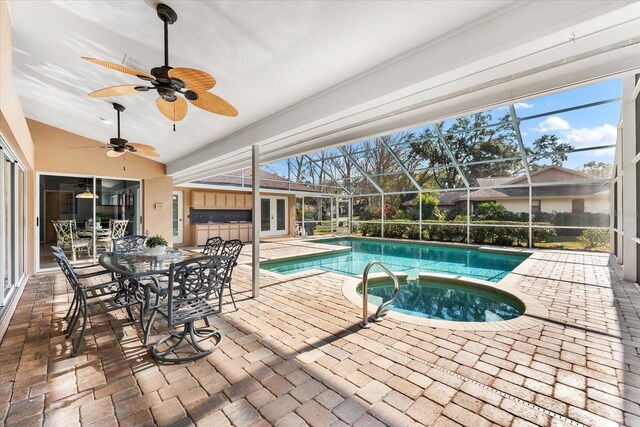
pixel 56 152
pixel 555 205
pixel 14 129
pixel 594 204
pixel 600 204
pixel 516 205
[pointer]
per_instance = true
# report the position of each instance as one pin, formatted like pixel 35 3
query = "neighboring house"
pixel 268 181
pixel 574 197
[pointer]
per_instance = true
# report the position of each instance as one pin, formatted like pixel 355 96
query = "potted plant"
pixel 156 245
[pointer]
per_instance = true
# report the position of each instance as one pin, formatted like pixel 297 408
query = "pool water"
pixel 446 301
pixel 409 258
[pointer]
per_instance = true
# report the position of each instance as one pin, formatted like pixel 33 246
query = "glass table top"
pixel 141 264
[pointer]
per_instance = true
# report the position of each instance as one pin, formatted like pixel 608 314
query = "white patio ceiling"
pixel 308 74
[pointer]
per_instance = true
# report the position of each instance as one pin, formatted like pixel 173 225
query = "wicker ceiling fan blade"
pixel 121 68
pixel 174 111
pixel 95 146
pixel 194 79
pixel 114 91
pixel 143 149
pixel 214 104
pixel 145 154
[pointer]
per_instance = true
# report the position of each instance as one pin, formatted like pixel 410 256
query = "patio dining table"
pixel 139 266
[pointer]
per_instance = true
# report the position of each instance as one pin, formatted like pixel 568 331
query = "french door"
pixel 274 215
pixel 177 217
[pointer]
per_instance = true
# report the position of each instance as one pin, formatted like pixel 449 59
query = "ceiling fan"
pixel 169 82
pixel 118 146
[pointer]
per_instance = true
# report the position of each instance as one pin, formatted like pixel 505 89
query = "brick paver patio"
pixel 296 356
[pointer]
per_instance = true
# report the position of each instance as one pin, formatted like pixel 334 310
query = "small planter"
pixel 156 250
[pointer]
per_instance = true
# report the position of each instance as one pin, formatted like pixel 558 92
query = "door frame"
pixel 38 221
pixel 179 238
pixel 273 231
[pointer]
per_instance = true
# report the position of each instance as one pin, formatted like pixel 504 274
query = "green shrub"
pixel 430 209
pixel 594 239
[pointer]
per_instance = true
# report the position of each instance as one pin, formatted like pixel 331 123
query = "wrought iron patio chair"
pixel 231 249
pixel 95 299
pixel 79 269
pixel 213 245
pixel 128 244
pixel 190 285
pixel 67 238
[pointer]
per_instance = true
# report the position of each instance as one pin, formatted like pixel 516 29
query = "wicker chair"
pixel 231 249
pixel 67 239
pixel 190 285
pixel 118 227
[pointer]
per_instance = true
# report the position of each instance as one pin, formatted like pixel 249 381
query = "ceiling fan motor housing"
pixel 118 142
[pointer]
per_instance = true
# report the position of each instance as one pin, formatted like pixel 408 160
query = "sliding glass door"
pixel 12 230
pixel 83 214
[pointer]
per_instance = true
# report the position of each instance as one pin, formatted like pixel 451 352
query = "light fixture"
pixel 105 121
pixel 86 194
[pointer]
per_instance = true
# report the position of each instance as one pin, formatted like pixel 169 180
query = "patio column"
pixel 255 192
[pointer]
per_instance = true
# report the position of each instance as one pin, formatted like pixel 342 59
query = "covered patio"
pixel 483 155
pixel 297 355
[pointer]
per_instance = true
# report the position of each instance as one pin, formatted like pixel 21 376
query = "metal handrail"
pixel 365 297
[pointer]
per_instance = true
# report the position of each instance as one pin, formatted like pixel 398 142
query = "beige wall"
pixel 594 204
pixel 157 207
pixel 599 204
pixel 56 152
pixel 14 130
pixel 516 205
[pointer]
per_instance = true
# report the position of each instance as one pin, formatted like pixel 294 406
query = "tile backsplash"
pixel 204 216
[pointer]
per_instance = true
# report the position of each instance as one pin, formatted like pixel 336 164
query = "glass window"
pixel 536 206
pixel 80 214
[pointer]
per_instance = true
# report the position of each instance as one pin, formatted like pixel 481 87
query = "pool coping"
pixel 329 250
pixel 483 248
pixel 534 311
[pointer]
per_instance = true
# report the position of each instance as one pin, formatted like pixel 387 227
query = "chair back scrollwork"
pixel 213 245
pixel 128 244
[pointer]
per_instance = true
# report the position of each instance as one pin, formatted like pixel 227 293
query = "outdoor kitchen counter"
pixel 228 231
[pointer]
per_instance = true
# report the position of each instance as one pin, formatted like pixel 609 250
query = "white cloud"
pixel 589 137
pixel 553 123
pixel 523 105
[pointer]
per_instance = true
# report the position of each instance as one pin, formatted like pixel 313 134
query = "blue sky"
pixel 584 128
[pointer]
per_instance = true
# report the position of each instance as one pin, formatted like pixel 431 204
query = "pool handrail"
pixel 381 312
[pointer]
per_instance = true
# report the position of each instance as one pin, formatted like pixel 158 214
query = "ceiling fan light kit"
pixel 173 85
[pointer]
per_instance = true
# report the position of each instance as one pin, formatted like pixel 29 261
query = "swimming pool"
pixel 432 299
pixel 410 258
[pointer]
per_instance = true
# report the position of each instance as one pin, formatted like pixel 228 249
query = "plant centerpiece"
pixel 156 245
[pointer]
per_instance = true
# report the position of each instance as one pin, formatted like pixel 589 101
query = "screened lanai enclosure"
pixel 532 174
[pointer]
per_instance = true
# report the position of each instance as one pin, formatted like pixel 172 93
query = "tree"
pixel 471 138
pixel 480 140
pixel 599 169
pixel 547 147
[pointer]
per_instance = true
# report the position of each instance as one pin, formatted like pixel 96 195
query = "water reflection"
pixel 446 301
